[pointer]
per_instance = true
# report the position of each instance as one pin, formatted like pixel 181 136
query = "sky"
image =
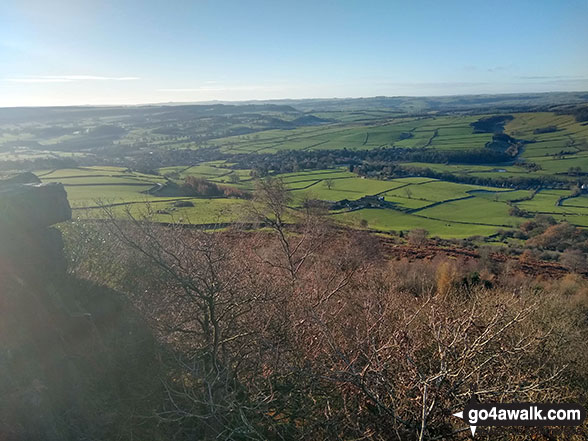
pixel 82 52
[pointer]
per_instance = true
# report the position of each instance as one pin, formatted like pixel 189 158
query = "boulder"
pixel 32 205
pixel 27 243
pixel 21 178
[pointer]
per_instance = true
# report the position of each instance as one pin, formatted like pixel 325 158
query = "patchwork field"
pixel 391 220
pixel 446 133
pixel 445 209
pixel 450 172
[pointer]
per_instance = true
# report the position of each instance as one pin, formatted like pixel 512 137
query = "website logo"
pixel 521 414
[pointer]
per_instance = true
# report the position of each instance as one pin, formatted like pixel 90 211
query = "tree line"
pixel 293 160
pixel 388 171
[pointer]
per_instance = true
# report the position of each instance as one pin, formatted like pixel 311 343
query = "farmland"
pixel 445 209
pixel 453 173
pixel 446 133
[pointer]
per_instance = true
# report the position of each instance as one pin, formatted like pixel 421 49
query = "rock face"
pixel 27 210
pixel 71 352
pixel 32 205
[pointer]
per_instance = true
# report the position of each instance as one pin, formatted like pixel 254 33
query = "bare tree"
pixel 199 295
pixel 408 192
pixel 575 260
pixel 271 209
pixel 234 178
pixel 418 237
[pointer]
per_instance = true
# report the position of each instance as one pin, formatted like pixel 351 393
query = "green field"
pixel 391 220
pixel 204 211
pixel 446 133
pixel 445 209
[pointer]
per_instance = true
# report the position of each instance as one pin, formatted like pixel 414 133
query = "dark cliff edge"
pixel 73 356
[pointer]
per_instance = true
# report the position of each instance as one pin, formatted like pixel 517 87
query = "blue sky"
pixel 64 52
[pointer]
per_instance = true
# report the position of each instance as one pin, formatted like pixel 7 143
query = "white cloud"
pixel 220 89
pixel 92 78
pixel 66 78
pixel 37 80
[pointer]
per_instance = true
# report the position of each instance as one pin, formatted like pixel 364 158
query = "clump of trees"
pixel 548 129
pixel 580 113
pixel 516 211
pixel 196 186
pixel 491 124
pixel 545 233
pixel 547 239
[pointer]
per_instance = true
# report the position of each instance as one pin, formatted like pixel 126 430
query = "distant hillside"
pixel 309 120
pixel 15 115
pixel 507 102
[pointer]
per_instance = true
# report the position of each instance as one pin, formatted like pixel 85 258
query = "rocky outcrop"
pixel 32 204
pixel 28 244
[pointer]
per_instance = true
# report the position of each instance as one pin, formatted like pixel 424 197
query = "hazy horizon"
pixel 270 100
